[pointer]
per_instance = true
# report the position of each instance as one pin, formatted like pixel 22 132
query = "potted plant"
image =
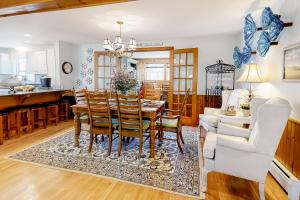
pixel 122 81
pixel 245 109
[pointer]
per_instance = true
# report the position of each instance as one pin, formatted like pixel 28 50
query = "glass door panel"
pixel 185 77
pixel 104 66
pixel 190 59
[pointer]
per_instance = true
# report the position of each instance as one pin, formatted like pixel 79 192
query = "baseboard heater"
pixel 286 179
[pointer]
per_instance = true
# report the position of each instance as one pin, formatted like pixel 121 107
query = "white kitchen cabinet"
pixel 37 62
pixel 6 66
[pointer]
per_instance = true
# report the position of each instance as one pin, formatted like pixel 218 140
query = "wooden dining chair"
pixel 152 94
pixel 130 119
pixel 99 117
pixel 171 122
pixel 81 98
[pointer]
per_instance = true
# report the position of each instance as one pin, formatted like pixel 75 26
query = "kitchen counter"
pixel 4 92
pixel 38 96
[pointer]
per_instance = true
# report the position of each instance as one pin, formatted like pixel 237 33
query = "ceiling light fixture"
pixel 118 47
pixel 27 35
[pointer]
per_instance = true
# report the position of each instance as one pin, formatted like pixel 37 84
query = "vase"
pixel 246 113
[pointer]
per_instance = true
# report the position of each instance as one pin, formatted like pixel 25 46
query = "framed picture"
pixel 291 63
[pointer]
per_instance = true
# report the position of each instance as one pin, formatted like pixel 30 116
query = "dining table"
pixel 151 110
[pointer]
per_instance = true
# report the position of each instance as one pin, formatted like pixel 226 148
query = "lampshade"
pixel 251 74
pixel 118 41
pixel 132 45
pixel 107 44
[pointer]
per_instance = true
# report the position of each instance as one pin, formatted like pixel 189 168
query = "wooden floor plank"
pixel 20 180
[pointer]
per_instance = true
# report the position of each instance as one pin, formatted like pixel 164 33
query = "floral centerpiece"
pixel 122 81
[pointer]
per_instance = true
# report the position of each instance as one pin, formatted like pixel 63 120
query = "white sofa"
pixel 209 121
pixel 248 158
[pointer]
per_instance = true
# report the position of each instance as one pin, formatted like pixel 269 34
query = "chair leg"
pixel 109 143
pixel 262 191
pixel 140 147
pixel 181 138
pixel 120 144
pixel 204 179
pixel 178 142
pixel 91 142
pixel 18 124
pixel 29 125
pixel 57 116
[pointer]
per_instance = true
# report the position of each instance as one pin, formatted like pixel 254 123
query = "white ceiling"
pixel 146 20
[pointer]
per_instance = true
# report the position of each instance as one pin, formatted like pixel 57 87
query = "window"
pixel 157 72
pixel 154 72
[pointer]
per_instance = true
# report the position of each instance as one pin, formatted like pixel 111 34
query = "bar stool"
pixel 38 115
pixel 52 114
pixel 12 123
pixel 64 108
pixel 3 127
pixel 23 121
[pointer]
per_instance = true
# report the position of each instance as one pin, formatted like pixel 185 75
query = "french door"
pixel 104 67
pixel 184 76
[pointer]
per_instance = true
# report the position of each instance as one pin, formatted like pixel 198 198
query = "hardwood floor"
pixel 26 181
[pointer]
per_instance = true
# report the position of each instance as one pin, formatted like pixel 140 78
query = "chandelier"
pixel 118 47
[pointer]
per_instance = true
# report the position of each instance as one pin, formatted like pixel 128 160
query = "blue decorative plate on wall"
pixel 275 28
pixel 266 17
pixel 246 54
pixel 249 29
pixel 272 23
pixel 237 57
pixel 263 43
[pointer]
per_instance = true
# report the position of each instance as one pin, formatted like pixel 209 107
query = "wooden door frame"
pixel 144 49
pixel 193 120
pixel 171 64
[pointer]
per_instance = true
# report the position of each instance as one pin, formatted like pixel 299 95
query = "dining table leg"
pixel 77 126
pixel 152 135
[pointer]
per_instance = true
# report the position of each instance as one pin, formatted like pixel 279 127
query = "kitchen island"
pixel 38 96
pixel 23 99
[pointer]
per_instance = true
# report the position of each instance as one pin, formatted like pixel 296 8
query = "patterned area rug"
pixel 170 170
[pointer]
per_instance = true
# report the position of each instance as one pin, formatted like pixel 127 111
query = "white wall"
pixel 210 49
pixel 66 53
pixel 272 64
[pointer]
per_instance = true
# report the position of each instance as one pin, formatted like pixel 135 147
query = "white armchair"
pixel 209 120
pixel 248 158
pixel 227 129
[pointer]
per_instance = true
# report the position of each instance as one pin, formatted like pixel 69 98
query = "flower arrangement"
pixel 245 109
pixel 245 106
pixel 122 81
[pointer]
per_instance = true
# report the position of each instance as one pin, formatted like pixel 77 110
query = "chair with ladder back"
pixel 131 123
pixel 100 117
pixel 172 123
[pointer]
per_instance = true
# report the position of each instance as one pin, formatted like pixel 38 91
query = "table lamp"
pixel 251 75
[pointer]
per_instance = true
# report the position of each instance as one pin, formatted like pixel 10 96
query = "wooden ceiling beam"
pixel 15 3
pixel 21 7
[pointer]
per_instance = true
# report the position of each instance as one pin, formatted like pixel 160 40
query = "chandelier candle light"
pixel 118 48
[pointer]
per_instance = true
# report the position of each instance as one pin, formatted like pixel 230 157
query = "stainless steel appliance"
pixel 45 81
